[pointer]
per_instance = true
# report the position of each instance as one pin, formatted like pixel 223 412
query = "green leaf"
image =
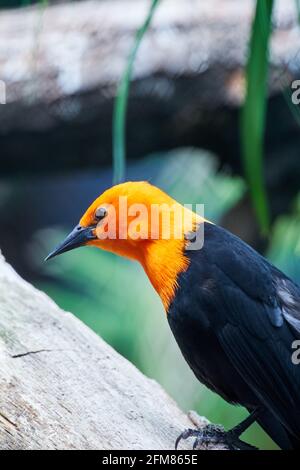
pixel 119 117
pixel 254 111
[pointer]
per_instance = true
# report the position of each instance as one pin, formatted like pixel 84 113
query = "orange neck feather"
pixel 163 261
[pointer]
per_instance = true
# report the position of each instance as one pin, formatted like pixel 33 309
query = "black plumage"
pixel 235 318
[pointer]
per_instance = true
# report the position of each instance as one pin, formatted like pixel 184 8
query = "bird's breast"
pixel 189 317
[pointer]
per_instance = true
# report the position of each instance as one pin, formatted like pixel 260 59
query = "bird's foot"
pixel 211 435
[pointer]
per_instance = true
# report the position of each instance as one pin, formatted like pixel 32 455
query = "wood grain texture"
pixel 47 53
pixel 61 66
pixel 63 387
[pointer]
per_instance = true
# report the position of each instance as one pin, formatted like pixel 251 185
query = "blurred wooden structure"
pixel 61 66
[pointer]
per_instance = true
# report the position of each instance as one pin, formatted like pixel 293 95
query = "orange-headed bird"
pixel 235 316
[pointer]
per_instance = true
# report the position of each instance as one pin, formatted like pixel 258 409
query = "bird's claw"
pixel 208 434
pixel 185 435
pixel 211 435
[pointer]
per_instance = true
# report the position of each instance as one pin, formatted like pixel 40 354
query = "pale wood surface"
pixel 63 387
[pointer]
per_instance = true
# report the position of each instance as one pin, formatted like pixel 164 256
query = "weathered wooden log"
pixel 61 66
pixel 63 387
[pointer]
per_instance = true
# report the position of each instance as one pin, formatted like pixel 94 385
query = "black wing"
pixel 259 323
pixel 288 295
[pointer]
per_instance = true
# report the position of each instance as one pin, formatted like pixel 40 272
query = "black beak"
pixel 78 237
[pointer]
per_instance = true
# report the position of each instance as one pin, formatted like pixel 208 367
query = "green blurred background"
pixel 112 295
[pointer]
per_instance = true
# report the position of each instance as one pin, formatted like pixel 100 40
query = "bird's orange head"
pixel 139 221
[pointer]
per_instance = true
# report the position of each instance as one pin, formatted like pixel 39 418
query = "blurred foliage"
pixel 284 249
pixel 254 110
pixel 119 139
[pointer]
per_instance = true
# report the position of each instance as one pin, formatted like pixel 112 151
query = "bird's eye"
pixel 100 213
